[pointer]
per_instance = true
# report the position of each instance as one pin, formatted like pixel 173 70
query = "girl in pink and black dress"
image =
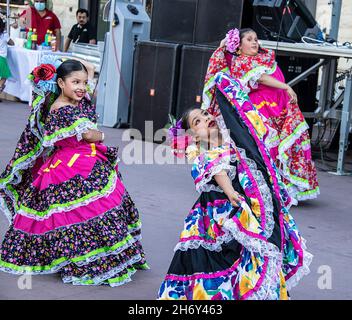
pixel 69 211
pixel 241 57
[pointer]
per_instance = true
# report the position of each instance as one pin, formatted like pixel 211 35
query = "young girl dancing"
pixel 241 57
pixel 69 211
pixel 239 240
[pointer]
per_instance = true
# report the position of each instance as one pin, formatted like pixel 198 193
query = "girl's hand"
pixel 292 95
pixel 223 43
pixel 235 198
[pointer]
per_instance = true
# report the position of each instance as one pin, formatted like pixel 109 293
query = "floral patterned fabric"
pixel 288 140
pixel 253 251
pixel 69 211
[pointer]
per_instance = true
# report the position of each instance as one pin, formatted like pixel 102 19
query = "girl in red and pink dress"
pixel 69 211
pixel 241 57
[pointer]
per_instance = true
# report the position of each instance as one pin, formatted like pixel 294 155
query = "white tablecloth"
pixel 21 62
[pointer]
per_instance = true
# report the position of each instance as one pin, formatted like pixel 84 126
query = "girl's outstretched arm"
pixel 223 180
pixel 272 82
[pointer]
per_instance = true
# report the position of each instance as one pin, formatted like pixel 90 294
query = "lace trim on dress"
pixel 211 246
pixel 303 270
pixel 77 131
pixel 28 270
pixel 203 186
pixel 258 176
pixel 84 281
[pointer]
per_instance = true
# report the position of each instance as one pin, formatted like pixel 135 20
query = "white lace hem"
pixel 268 289
pixel 303 270
pixel 285 170
pixel 196 244
pixel 203 186
pixel 28 271
pixel 300 194
pixel 108 275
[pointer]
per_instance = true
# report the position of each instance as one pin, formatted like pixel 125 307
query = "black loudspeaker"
pixel 306 90
pixel 292 67
pixel 154 86
pixel 193 67
pixel 198 22
pixel 284 20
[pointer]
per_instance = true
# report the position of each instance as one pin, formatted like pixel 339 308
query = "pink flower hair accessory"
pixel 233 40
pixel 178 139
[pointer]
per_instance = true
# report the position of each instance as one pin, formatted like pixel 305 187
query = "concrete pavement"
pixel 164 194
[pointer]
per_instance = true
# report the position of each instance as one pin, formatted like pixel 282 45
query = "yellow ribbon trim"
pixel 73 160
pixel 94 150
pixel 263 103
pixel 52 166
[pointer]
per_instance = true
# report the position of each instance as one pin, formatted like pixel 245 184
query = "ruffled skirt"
pixel 76 219
pixel 219 258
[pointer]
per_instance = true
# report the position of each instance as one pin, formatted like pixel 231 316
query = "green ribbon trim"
pixel 135 225
pixel 65 205
pixel 112 280
pixel 304 193
pixel 59 261
pixel 20 160
pixel 259 69
pixel 144 266
pixel 273 139
pixel 291 136
pixel 67 129
pixel 304 143
pixel 309 192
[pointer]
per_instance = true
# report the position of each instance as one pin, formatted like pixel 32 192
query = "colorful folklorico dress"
pixel 253 251
pixel 288 141
pixel 69 211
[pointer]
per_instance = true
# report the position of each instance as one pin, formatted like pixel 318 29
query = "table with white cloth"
pixel 21 63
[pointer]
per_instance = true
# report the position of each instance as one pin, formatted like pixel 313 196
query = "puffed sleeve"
pixel 210 163
pixel 266 65
pixel 69 121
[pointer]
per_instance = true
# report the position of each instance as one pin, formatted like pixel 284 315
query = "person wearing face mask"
pixel 43 19
pixel 81 32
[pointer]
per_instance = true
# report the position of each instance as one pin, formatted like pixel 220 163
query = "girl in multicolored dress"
pixel 239 240
pixel 69 211
pixel 240 56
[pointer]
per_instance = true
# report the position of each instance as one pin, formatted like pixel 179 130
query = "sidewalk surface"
pixel 164 194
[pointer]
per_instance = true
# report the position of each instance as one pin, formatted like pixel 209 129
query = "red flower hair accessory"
pixel 44 72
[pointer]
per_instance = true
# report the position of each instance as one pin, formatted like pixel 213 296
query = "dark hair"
pixel 185 117
pixel 243 33
pixel 67 67
pixel 81 10
pixel 2 26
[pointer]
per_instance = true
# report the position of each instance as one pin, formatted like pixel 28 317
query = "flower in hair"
pixel 44 78
pixel 176 129
pixel 44 72
pixel 233 40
